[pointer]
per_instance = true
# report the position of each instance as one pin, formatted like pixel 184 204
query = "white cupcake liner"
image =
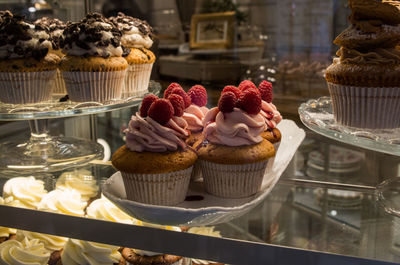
pixel 59 85
pixel 26 87
pixel 137 79
pixel 94 86
pixel 233 181
pixel 160 189
pixel 196 172
pixel 366 107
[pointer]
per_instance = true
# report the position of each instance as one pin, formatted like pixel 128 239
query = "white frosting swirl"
pixel 25 192
pixel 6 231
pixel 50 242
pixel 80 180
pixel 165 227
pixel 104 209
pixel 148 135
pixel 205 231
pixel 133 39
pixel 235 128
pixel 67 201
pixel 270 113
pixel 194 116
pixel 25 252
pixel 79 252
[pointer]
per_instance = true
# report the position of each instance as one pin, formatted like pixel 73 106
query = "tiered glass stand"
pixel 46 153
pixel 317 115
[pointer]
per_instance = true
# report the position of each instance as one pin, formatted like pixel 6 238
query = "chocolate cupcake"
pixel 364 80
pixel 136 35
pixel 93 68
pixel 26 67
pixel 56 28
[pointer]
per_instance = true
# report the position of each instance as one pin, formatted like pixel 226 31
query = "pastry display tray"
pixel 57 109
pixel 317 115
pixel 209 209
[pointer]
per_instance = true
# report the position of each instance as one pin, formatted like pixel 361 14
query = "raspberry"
pixel 232 89
pixel 265 88
pixel 227 102
pixel 246 84
pixel 171 86
pixel 179 91
pixel 146 103
pixel 161 111
pixel 178 104
pixel 198 95
pixel 250 101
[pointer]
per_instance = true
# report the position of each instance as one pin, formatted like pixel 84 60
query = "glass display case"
pixel 325 207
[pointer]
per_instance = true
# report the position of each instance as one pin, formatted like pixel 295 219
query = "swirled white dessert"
pixel 25 192
pixel 66 201
pixel 132 256
pixel 104 209
pixel 51 242
pixel 79 252
pixel 24 252
pixel 80 180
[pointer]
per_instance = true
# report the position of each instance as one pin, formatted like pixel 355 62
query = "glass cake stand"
pixel 46 153
pixel 317 115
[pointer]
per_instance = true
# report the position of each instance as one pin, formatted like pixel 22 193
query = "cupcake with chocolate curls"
pixel 56 28
pixel 136 35
pixel 26 67
pixel 93 68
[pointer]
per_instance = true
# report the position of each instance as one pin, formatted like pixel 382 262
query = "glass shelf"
pixel 57 109
pixel 317 115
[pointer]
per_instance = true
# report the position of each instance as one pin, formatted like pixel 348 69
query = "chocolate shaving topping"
pixel 89 32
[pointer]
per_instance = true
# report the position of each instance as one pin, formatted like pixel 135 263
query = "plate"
pixel 317 115
pixel 209 209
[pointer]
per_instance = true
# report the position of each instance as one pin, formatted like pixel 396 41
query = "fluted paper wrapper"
pixel 137 79
pixel 233 181
pixel 94 86
pixel 160 189
pixel 366 107
pixel 59 85
pixel 26 87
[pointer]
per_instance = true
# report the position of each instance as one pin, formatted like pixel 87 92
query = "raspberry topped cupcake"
pixel 364 79
pixel 93 68
pixel 155 162
pixel 26 68
pixel 233 154
pixel 136 35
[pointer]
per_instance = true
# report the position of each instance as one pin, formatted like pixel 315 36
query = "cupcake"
pixel 6 232
pixel 25 192
pixel 93 68
pixel 80 180
pixel 24 252
pixel 233 154
pixel 79 252
pixel 136 35
pixel 27 70
pixel 205 231
pixel 364 79
pixel 141 257
pixel 155 162
pixel 56 28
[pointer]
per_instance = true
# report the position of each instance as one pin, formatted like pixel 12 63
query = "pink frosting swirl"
pixel 194 116
pixel 233 129
pixel 148 135
pixel 271 114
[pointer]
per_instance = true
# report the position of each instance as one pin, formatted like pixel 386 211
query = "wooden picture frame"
pixel 212 31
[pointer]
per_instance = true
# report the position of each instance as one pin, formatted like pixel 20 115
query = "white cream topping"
pixel 25 252
pixel 79 252
pixel 104 209
pixel 50 242
pixel 66 201
pixel 80 180
pixel 6 231
pixel 134 39
pixel 26 192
